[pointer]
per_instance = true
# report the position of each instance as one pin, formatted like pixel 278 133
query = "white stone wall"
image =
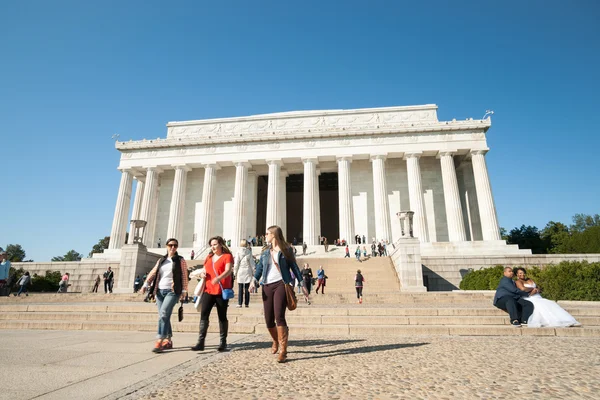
pixel 397 184
pixel 362 196
pixel 468 200
pixel 195 182
pixel 431 177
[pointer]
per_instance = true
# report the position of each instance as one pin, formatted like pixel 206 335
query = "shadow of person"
pixel 355 350
pixel 299 343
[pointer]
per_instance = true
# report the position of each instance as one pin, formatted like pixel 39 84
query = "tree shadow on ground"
pixel 319 344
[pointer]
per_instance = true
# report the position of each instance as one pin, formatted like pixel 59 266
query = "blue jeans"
pixel 165 300
pixel 22 289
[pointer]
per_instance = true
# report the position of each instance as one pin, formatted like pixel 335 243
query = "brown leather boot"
pixel 275 346
pixel 283 333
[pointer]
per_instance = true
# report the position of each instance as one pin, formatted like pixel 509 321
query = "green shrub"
pixel 47 283
pixel 569 280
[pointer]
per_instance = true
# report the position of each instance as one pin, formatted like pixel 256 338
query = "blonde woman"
pixel 243 270
pixel 275 266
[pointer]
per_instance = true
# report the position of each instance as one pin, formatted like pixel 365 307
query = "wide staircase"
pixel 385 310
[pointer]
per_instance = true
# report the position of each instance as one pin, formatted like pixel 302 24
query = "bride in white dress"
pixel 546 313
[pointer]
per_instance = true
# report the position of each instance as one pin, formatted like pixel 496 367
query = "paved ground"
pixel 111 365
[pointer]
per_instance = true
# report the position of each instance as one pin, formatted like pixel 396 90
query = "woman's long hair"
pixel 280 242
pixel 166 243
pixel 221 242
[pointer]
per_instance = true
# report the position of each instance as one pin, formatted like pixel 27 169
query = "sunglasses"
pixel 173 245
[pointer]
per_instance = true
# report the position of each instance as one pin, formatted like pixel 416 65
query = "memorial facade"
pixel 331 173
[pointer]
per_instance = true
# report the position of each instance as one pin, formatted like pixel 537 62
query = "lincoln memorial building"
pixel 331 173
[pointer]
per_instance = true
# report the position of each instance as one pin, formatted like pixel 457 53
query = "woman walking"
pixel 170 280
pixel 275 267
pixel 218 268
pixel 358 284
pixel 243 270
pixel 307 277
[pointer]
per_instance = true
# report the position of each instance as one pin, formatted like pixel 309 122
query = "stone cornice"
pixel 305 125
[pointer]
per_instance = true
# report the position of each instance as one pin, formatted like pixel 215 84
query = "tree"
pixel 503 233
pixel 71 255
pixel 103 244
pixel 100 246
pixel 554 235
pixel 581 222
pixel 15 253
pixel 528 237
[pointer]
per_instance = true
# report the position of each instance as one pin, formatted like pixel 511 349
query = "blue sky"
pixel 73 73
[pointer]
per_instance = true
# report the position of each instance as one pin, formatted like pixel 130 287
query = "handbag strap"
pixel 277 265
pixel 215 271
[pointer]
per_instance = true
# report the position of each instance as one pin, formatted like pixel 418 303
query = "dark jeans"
pixel 519 310
pixel 243 292
pixel 108 285
pixel 22 289
pixel 308 285
pixel 208 301
pixel 274 303
pixel 320 285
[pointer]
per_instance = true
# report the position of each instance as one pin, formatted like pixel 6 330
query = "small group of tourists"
pixel 275 269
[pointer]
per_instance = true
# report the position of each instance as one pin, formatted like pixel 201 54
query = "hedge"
pixel 39 283
pixel 569 280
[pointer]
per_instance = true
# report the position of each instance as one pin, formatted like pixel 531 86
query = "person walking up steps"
pixel 358 284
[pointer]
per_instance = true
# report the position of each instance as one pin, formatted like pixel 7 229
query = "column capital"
pixel 154 168
pixel 381 156
pixel 478 152
pixel 128 170
pixel 344 158
pixel 412 154
pixel 214 165
pixel 314 160
pixel 276 161
pixel 184 167
pixel 283 173
pixel 242 163
pixel 443 153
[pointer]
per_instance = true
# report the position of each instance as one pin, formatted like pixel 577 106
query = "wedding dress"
pixel 547 313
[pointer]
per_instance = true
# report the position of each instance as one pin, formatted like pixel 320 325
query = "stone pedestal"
pixel 407 260
pixel 135 260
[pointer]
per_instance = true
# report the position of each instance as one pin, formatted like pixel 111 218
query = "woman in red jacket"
pixel 218 268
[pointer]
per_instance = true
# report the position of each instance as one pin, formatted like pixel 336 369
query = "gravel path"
pixel 394 368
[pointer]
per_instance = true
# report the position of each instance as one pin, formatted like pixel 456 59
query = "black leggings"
pixel 274 303
pixel 208 301
pixel 358 292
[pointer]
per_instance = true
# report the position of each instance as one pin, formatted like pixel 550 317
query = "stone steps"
pixel 425 318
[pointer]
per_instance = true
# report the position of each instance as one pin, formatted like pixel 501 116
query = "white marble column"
pixel 208 202
pixel 175 228
pixel 137 207
pixel 380 197
pixel 147 202
pixel 283 201
pixel 485 200
pixel 454 215
pixel 239 203
pixel 151 226
pixel 346 208
pixel 273 193
pixel 415 194
pixel 119 225
pixel 310 216
pixel 251 204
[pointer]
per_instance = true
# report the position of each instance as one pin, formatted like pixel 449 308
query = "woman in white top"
pixel 170 279
pixel 243 271
pixel 546 313
pixel 276 264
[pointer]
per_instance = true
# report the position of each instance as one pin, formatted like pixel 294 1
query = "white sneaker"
pixel 239 306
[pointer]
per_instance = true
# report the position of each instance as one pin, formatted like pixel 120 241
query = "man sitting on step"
pixel 510 299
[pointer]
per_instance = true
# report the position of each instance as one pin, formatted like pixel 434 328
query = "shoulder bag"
pixel 290 295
